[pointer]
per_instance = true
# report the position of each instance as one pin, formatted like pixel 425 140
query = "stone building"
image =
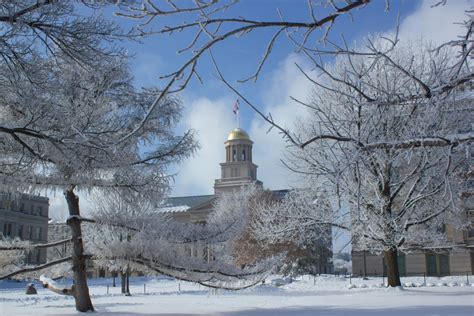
pixel 25 216
pixel 455 259
pixel 457 256
pixel 238 170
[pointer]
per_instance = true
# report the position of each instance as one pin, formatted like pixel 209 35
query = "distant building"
pixel 25 216
pixel 455 258
pixel 238 170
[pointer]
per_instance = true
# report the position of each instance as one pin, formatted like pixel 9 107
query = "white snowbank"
pixel 307 295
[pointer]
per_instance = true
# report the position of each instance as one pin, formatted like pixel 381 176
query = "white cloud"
pixel 213 120
pixel 437 24
pixel 269 148
pixel 58 206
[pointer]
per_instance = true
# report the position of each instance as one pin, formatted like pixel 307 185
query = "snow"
pixel 174 209
pixel 323 295
pixel 51 283
pixel 74 217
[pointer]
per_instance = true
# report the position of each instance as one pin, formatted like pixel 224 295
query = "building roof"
pixel 238 133
pixel 183 203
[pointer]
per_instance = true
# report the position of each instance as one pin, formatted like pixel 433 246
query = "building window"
pixel 38 233
pixel 402 267
pixel 437 264
pixel 401 263
pixel 89 263
pixel 472 262
pixel 39 210
pixel 243 155
pixel 8 230
pixel 29 232
pixel 234 155
pixel 20 231
pixel 22 207
pixel 471 232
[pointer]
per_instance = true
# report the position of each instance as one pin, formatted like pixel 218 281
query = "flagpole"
pixel 238 117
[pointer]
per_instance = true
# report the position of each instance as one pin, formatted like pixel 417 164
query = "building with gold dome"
pixel 238 170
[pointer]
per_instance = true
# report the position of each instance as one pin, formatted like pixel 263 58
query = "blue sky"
pixel 208 107
pixel 238 57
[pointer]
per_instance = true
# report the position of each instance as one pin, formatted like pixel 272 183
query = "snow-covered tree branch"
pixel 388 187
pixel 131 232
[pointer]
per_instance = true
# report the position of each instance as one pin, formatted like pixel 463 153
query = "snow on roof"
pixel 174 209
pixel 183 203
pixel 54 221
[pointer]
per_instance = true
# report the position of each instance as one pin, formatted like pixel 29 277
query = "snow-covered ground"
pixel 324 295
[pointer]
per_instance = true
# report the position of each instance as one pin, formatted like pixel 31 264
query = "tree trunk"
pixel 81 290
pixel 124 280
pixel 128 282
pixel 391 261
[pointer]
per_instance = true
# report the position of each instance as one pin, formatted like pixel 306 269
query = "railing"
pixel 469 277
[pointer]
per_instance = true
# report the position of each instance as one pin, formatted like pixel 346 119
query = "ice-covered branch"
pixel 36 268
pixel 56 288
pixel 36 246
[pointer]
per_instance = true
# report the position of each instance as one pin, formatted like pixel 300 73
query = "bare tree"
pixel 64 134
pixel 211 26
pixel 31 28
pixel 419 91
pixel 131 233
pixel 215 23
pixel 363 170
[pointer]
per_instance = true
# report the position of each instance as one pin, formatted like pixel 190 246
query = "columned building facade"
pixel 25 216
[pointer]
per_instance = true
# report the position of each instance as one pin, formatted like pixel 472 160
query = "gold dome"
pixel 238 133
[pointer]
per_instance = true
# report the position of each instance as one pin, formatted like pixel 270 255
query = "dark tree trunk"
pixel 81 290
pixel 128 282
pixel 390 255
pixel 124 281
pixel 391 261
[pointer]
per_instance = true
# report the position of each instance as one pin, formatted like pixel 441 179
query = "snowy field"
pixel 324 295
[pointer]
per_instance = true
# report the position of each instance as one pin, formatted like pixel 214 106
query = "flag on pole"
pixel 235 109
